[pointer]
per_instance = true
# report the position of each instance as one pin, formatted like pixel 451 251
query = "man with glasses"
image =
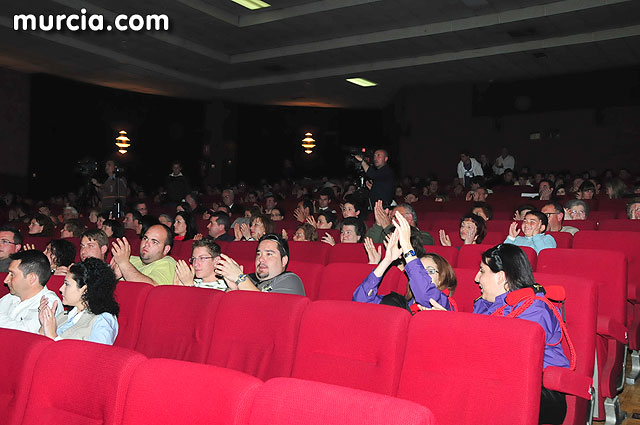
pixel 534 225
pixel 154 265
pixel 271 275
pixel 205 256
pixel 555 215
pixel 10 243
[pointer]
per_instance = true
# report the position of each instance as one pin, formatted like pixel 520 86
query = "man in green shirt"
pixel 153 266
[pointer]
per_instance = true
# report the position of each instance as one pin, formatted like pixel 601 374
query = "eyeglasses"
pixel 203 258
pixel 578 212
pixel 550 214
pixel 6 242
pixel 431 271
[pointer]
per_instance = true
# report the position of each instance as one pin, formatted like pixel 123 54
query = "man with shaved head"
pixel 153 266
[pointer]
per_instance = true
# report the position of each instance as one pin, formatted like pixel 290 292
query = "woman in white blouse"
pixel 88 288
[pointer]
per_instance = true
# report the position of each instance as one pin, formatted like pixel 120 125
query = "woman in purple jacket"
pixel 503 270
pixel 430 276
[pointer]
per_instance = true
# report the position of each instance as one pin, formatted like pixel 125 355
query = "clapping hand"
pixel 327 238
pixel 375 255
pixel 444 238
pixel 513 230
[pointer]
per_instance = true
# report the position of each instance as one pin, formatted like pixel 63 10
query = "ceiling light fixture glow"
pixel 362 82
pixel 252 4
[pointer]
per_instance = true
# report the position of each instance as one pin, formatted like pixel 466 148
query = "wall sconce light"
pixel 122 142
pixel 308 143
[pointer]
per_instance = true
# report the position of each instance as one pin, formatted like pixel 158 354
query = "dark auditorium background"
pixel 49 124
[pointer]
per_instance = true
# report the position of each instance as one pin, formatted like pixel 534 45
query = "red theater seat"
pixel 563 239
pixel 242 250
pixel 629 244
pixel 259 340
pixel 177 323
pixel 172 392
pixel 623 225
pixel 609 270
pixel 40 243
pixel 470 255
pixel 90 380
pixel 452 358
pixel 18 358
pixel 449 253
pixel 467 290
pixel 283 401
pixel 580 311
pixel 4 289
pixel 131 296
pixel 356 345
pixel 494 238
pixel 582 224
pixel 310 274
pixel 339 280
pixel 309 252
pixel 348 253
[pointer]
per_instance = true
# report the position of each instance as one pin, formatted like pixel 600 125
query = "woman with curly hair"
pixel 88 288
pixel 61 254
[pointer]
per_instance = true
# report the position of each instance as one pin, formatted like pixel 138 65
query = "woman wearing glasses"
pixel 205 255
pixel 430 275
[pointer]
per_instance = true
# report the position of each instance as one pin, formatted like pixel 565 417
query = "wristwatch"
pixel 410 253
pixel 241 278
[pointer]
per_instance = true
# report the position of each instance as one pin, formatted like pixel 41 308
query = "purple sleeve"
pixel 422 287
pixel 540 314
pixel 367 292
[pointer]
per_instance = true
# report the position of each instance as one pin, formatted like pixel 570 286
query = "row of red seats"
pixel 96 384
pixel 368 347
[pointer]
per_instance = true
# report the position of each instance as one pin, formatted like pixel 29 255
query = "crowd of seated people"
pixel 138 246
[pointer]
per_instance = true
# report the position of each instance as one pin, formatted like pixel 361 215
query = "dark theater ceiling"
pixel 298 52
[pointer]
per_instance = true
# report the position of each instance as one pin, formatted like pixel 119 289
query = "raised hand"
pixel 402 224
pixel 28 247
pixel 285 236
pixel 312 221
pixel 444 238
pixel 393 250
pixel 299 215
pixel 375 255
pixel 237 232
pixel 184 274
pixel 327 238
pixel 513 230
pixel 381 216
pixel 245 230
pixel 229 270
pixel 121 250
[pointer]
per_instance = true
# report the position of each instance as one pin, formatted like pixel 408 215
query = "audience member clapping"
pixel 88 288
pixel 205 255
pixel 473 230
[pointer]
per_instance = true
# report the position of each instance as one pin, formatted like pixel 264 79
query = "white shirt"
pixel 507 162
pixel 23 315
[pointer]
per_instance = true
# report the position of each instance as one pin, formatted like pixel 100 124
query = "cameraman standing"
pixel 113 190
pixel 381 175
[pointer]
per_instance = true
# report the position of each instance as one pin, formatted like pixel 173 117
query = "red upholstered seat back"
pixel 256 333
pixel 348 253
pixel 309 252
pixel 626 242
pixel 449 253
pixel 463 366
pixel 131 296
pixel 339 280
pixel 177 323
pixel 356 345
pixel 607 268
pixel 309 273
pixel 80 383
pixel 470 255
pixel 242 250
pixel 182 250
pixel 582 224
pixel 172 392
pixel 622 225
pixel 4 289
pixel 580 312
pixel 563 239
pixel 40 243
pixel 18 358
pixel 285 401
pixel 467 290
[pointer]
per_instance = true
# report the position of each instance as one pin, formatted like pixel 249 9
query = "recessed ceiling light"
pixel 362 82
pixel 252 4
